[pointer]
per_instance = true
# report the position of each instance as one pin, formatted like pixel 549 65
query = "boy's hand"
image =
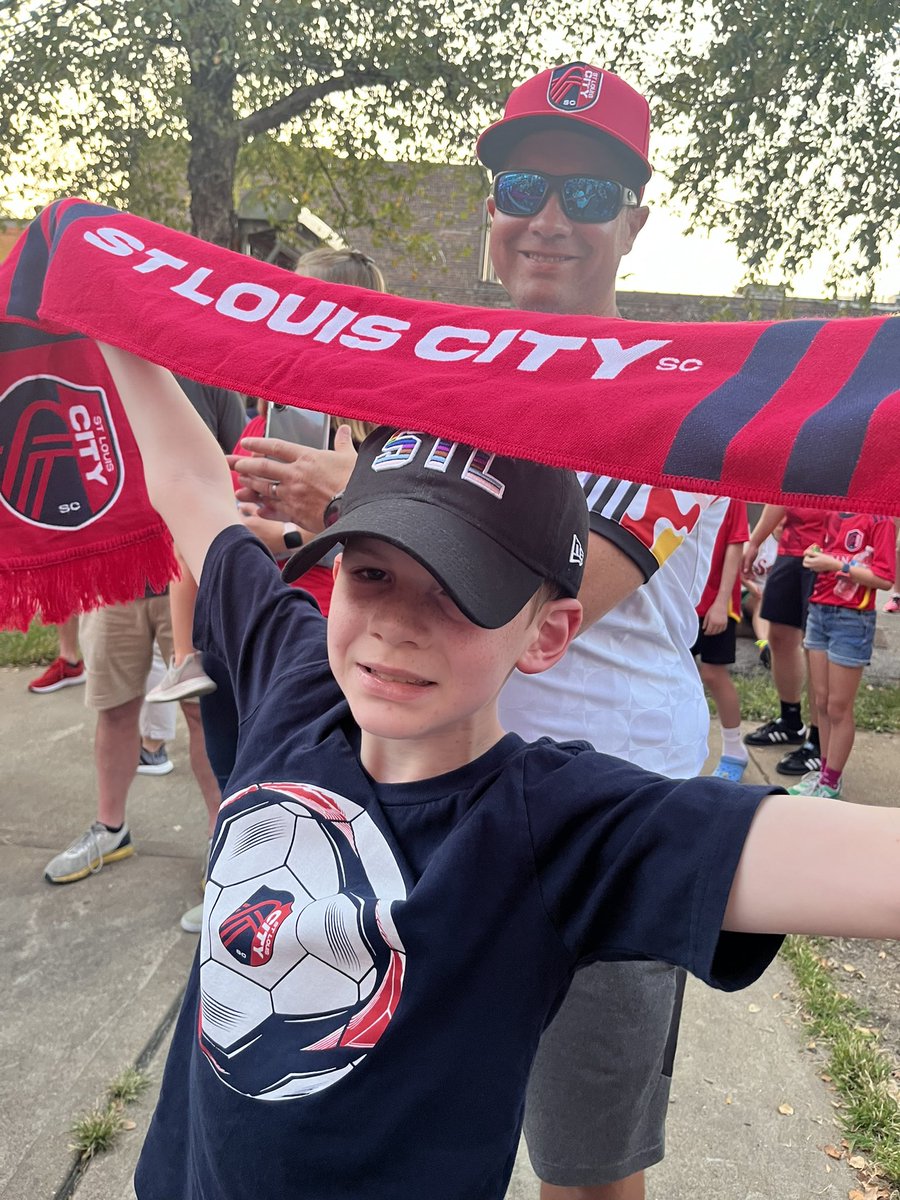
pixel 270 533
pixel 304 479
pixel 716 619
pixel 816 561
pixel 748 559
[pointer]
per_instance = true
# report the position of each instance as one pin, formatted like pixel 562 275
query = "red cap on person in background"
pixel 597 100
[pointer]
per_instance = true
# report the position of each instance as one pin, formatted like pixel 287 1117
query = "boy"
pixel 719 613
pixel 399 892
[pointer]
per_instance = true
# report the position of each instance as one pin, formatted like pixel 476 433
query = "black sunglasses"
pixel 584 198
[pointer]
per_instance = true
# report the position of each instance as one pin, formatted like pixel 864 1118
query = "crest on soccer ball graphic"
pixel 301 964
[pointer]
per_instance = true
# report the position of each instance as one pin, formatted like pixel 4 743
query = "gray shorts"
pixel 599 1088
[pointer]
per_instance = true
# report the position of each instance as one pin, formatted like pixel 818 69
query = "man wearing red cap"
pixel 569 163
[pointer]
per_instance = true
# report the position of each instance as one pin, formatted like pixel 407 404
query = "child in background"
pixel 856 560
pixel 719 613
pixel 892 604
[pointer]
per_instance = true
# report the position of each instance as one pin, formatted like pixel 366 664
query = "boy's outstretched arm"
pixel 819 867
pixel 187 476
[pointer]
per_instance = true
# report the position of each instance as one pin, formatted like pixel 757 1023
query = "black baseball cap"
pixel 491 529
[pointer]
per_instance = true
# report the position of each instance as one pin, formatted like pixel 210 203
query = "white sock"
pixel 732 744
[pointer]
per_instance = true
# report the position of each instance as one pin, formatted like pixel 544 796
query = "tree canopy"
pixel 167 80
pixel 787 116
pixel 784 114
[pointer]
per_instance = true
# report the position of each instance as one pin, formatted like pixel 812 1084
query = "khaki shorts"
pixel 117 643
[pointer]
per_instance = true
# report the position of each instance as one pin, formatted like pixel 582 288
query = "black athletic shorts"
pixel 719 649
pixel 786 595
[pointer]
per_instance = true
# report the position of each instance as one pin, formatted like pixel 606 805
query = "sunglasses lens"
pixel 591 200
pixel 520 193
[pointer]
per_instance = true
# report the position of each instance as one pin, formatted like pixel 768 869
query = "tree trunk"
pixel 209 34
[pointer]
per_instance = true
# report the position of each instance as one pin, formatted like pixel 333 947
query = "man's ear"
pixel 556 625
pixel 635 220
pixel 490 205
pixel 336 565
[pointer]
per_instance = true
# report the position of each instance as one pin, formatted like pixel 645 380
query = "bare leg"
pixel 717 678
pixel 68 639
pixel 203 772
pixel 811 695
pixel 818 686
pixel 760 624
pixel 182 597
pixel 788 669
pixel 843 684
pixel 631 1188
pixel 116 748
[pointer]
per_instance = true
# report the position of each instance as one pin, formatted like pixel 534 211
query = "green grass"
pixel 98 1130
pixel 126 1088
pixel 38 645
pixel 860 1071
pixel 877 708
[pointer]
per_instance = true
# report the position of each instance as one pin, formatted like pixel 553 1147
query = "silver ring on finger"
pixel 273 489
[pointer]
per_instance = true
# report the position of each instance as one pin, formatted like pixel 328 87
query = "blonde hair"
pixel 355 269
pixel 350 267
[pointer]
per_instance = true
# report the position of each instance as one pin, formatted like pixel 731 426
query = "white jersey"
pixel 629 685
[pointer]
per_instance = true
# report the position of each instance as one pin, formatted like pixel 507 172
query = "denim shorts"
pixel 844 634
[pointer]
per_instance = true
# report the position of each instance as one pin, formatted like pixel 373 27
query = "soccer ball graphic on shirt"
pixel 301 966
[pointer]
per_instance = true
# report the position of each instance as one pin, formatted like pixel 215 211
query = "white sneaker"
pixel 807 786
pixel 88 853
pixel 184 682
pixel 192 920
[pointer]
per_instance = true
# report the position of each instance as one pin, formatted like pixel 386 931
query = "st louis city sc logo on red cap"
pixel 574 87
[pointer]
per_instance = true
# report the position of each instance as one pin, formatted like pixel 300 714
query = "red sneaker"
pixel 58 675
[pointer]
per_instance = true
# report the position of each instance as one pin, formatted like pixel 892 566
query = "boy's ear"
pixel 336 565
pixel 556 625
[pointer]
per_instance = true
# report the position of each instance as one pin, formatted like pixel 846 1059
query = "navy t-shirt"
pixel 378 961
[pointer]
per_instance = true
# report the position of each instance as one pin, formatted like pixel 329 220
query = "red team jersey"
pixel 869 541
pixel 802 528
pixel 734 529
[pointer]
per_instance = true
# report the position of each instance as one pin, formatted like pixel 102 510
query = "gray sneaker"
pixel 154 762
pixel 185 682
pixel 192 920
pixel 87 854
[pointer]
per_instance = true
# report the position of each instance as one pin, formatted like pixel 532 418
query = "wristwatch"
pixel 845 566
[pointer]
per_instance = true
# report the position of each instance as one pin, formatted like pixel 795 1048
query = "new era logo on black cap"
pixel 492 529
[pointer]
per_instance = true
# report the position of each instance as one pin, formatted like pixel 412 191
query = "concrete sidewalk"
pixel 94 970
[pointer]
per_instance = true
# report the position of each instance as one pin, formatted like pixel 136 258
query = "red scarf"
pixel 795 412
pixel 77 527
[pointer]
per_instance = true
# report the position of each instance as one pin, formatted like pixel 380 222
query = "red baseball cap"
pixel 600 102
